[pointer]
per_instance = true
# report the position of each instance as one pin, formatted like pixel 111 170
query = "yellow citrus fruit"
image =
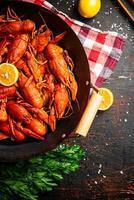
pixel 8 74
pixel 107 100
pixel 89 8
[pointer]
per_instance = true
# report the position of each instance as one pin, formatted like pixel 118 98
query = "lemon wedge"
pixel 107 100
pixel 8 74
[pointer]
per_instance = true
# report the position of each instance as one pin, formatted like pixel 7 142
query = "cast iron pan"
pixel 12 151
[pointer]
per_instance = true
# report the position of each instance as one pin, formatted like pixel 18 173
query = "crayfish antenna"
pixel 18 96
pixel 66 116
pixel 41 29
pixel 11 14
pixel 45 24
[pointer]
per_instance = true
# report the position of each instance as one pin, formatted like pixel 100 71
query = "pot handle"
pixel 89 114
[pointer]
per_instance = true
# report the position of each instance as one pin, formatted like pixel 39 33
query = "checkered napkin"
pixel 103 49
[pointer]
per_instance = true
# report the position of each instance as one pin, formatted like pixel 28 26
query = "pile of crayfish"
pixel 46 84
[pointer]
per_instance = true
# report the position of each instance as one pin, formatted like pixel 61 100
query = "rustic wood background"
pixel 107 171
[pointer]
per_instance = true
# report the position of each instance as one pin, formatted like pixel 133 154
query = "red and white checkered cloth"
pixel 103 49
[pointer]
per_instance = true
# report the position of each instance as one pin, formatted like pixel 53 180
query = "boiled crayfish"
pixel 41 95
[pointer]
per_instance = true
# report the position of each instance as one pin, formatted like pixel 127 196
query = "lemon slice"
pixel 108 98
pixel 8 74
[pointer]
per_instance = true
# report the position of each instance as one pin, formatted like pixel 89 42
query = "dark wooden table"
pixel 107 171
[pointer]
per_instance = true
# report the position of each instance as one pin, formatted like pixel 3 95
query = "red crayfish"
pixel 46 84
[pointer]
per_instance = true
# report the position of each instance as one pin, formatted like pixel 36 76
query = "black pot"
pixel 12 151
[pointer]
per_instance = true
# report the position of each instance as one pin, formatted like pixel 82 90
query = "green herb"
pixel 26 179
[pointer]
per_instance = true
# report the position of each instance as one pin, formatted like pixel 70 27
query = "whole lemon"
pixel 89 8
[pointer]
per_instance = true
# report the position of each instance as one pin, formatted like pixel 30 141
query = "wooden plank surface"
pixel 107 171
